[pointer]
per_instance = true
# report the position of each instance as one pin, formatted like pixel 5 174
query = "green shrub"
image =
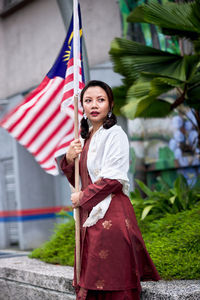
pixel 174 244
pixel 60 248
pixel 181 196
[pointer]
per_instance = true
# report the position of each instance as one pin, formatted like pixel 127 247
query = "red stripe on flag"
pixel 50 168
pixel 70 63
pixel 43 127
pixel 60 125
pixel 69 78
pixel 64 145
pixel 42 85
pixel 20 118
pixel 81 85
pixel 41 110
pixel 55 148
pixel 68 94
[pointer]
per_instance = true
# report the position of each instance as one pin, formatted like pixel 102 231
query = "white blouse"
pixel 108 157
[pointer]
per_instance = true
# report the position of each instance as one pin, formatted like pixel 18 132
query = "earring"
pixel 84 116
pixel 109 114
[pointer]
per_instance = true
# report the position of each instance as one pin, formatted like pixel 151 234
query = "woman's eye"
pixel 101 99
pixel 87 100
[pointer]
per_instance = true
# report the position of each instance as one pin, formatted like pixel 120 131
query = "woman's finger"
pixel 77 141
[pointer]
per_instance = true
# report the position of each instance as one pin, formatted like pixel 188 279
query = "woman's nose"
pixel 94 103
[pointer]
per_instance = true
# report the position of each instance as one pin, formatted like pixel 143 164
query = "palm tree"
pixel 151 74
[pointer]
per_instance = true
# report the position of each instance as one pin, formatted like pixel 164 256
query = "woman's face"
pixel 96 105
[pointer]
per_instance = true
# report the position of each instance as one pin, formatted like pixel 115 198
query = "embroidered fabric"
pixel 108 157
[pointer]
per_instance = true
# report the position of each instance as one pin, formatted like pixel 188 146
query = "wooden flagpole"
pixel 76 53
pixel 76 210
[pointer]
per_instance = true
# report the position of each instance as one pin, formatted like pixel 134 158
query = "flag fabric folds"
pixel 38 122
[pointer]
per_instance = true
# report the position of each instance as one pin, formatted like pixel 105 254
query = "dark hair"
pixel 109 121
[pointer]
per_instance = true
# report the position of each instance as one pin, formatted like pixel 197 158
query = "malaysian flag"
pixel 38 122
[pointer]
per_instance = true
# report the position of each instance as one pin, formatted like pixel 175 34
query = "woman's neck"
pixel 95 127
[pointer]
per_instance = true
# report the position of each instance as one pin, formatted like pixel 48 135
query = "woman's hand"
pixel 75 198
pixel 74 150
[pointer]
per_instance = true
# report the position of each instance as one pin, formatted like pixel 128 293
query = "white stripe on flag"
pixel 69 86
pixel 51 144
pixel 31 113
pixel 44 116
pixel 13 118
pixel 46 133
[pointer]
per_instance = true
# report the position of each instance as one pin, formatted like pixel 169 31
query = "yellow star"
pixel 67 55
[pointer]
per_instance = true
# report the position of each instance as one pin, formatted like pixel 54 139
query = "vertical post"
pixel 76 211
pixel 76 54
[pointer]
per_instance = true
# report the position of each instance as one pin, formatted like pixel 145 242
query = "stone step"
pixel 171 290
pixel 22 278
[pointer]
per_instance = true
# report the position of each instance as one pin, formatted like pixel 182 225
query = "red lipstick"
pixel 94 113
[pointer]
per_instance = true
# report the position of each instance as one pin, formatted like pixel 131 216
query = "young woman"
pixel 113 256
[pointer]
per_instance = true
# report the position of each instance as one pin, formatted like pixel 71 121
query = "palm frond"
pixel 147 107
pixel 119 94
pixel 131 58
pixel 175 16
pixel 159 87
pixel 149 76
pixel 132 109
pixel 170 81
pixel 138 90
pixel 194 81
pixel 143 97
pixel 153 88
pixel 121 46
pixel 151 73
pixel 157 109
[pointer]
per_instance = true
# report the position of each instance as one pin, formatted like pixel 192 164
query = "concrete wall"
pixel 101 23
pixel 34 189
pixel 31 38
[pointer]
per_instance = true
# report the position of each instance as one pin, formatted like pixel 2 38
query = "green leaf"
pixel 119 94
pixel 149 105
pixel 190 65
pixel 137 193
pixel 129 110
pixel 146 108
pixel 181 188
pixel 165 83
pixel 156 109
pixel 131 58
pixel 172 199
pixel 140 89
pixel 144 187
pixel 146 211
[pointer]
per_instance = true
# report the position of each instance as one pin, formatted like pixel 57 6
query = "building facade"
pixel 31 35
